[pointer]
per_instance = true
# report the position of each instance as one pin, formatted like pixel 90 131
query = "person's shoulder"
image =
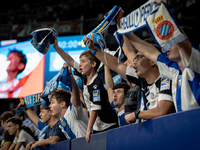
pixel 164 84
pixel 23 133
pixel 163 59
pixel 56 125
pixel 8 137
pixel 97 82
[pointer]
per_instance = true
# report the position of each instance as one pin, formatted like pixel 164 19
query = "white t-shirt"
pixel 185 85
pixel 25 138
pixel 74 123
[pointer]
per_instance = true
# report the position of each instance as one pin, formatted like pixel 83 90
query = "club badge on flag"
pixel 164 28
pixel 43 38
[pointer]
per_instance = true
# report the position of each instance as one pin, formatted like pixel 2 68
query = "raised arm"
pixel 145 48
pixel 186 48
pixel 75 99
pixel 33 116
pixel 109 83
pixel 108 60
pixel 66 57
pixel 128 48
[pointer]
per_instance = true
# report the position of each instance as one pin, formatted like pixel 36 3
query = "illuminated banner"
pixel 27 82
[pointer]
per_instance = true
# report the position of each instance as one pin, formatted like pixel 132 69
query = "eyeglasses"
pixel 138 57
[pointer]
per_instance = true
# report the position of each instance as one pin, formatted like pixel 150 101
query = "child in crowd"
pixel 101 115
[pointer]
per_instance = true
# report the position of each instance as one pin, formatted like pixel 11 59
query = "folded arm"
pixel 164 107
pixel 47 141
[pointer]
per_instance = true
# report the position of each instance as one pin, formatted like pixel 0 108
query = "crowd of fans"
pixel 156 85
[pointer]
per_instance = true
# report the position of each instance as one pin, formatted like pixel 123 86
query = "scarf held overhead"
pixel 159 21
pixel 164 28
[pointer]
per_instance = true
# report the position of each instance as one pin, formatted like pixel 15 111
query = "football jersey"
pixel 186 84
pixel 159 90
pixel 96 98
pixel 74 123
pixel 121 115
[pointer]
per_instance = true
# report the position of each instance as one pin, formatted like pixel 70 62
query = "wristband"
pixel 137 112
pixel 94 51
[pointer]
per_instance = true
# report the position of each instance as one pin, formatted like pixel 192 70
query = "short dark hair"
pixel 15 121
pixel 6 115
pixel 193 35
pixel 62 95
pixel 21 56
pixel 123 85
pixel 91 57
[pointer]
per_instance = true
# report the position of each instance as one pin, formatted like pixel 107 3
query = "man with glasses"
pixel 156 91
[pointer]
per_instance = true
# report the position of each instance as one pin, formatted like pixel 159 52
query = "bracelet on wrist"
pixel 137 112
pixel 94 51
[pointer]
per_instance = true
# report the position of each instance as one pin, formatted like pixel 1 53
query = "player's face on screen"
pixel 14 62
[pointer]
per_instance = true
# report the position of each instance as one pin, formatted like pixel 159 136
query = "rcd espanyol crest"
pixel 164 29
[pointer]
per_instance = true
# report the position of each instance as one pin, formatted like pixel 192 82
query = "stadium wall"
pixel 175 131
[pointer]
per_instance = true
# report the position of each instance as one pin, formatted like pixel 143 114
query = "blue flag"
pixel 43 38
pixel 63 76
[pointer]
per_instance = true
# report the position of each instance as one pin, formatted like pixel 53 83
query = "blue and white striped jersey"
pixel 186 84
pixel 74 123
pixel 159 90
